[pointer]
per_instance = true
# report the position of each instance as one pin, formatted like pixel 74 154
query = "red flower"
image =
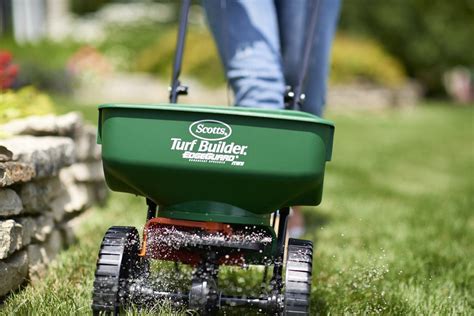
pixel 8 71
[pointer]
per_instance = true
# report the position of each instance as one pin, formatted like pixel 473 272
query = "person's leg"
pixel 246 32
pixel 293 18
pixel 316 82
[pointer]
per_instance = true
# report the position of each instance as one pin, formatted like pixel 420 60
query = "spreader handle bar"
pixel 296 95
pixel 176 88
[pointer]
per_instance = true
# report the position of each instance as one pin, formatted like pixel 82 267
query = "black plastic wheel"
pixel 298 271
pixel 118 261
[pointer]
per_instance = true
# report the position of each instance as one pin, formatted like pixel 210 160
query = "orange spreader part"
pixel 212 227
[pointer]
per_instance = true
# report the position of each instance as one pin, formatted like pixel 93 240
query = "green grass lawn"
pixel 394 234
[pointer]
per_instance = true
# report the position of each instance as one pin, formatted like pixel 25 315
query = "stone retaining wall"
pixel 50 172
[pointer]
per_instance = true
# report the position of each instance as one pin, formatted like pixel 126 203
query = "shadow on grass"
pixel 314 221
pixel 319 306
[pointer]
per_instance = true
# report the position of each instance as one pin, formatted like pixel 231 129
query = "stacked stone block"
pixel 50 172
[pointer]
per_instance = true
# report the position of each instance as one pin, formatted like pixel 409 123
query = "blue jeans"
pixel 261 45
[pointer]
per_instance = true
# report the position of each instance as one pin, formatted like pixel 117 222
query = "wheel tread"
pixel 298 277
pixel 113 254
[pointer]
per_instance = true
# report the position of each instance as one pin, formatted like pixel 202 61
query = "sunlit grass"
pixel 395 231
pixel 394 235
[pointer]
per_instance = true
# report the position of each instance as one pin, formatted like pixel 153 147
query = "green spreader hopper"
pixel 218 164
pixel 223 179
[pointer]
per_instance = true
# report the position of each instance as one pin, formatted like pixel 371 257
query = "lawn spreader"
pixel 218 183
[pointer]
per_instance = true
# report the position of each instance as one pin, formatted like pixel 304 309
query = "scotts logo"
pixel 210 130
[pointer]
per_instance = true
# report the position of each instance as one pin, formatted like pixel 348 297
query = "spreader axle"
pixel 146 295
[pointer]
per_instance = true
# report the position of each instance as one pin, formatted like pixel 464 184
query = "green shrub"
pixel 200 60
pixel 124 43
pixel 428 37
pixel 24 102
pixel 357 59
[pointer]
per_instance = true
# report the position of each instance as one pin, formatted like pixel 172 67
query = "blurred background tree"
pixel 428 36
pixel 87 6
